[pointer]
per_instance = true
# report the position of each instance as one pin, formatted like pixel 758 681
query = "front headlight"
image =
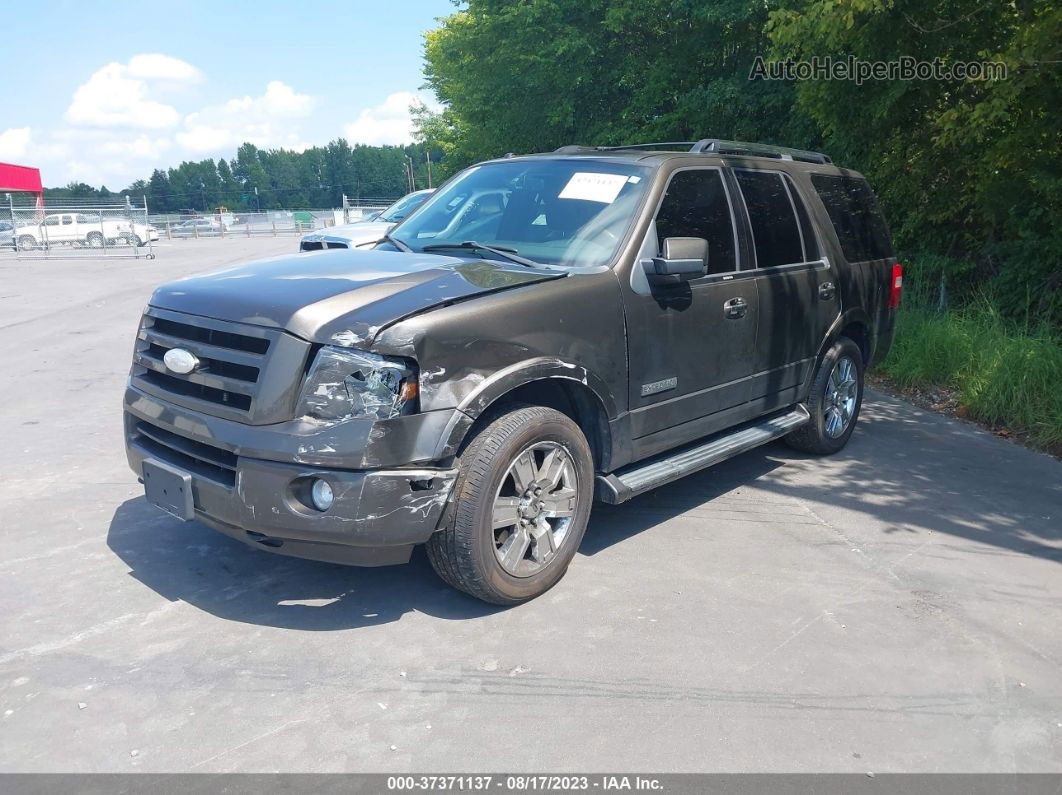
pixel 346 383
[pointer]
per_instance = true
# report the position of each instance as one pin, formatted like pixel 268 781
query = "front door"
pixel 691 344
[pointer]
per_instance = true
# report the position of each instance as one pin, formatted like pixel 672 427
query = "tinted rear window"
pixel 856 217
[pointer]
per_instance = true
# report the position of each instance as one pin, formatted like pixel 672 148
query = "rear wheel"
pixel 523 496
pixel 27 242
pixel 834 403
pixel 94 239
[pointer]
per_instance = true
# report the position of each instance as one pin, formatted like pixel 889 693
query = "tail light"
pixel 895 286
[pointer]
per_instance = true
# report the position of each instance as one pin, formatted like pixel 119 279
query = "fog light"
pixel 321 494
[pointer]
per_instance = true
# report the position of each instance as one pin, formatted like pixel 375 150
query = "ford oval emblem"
pixel 180 361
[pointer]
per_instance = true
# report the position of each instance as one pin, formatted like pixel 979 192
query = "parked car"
pixel 365 231
pixel 544 330
pixel 199 227
pixel 83 229
pixel 7 235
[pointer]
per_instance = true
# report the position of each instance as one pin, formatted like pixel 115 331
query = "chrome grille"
pixel 246 373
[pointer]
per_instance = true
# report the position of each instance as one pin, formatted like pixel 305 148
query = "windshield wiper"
pixel 394 241
pixel 505 253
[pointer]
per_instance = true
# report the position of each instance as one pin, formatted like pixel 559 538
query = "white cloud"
pixel 118 95
pixel 155 66
pixel 114 157
pixel 386 123
pixel 128 118
pixel 14 142
pixel 269 120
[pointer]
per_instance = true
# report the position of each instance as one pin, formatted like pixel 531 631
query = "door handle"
pixel 826 290
pixel 736 308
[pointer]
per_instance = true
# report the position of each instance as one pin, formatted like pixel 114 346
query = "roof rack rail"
pixel 677 145
pixel 653 145
pixel 717 146
pixel 713 146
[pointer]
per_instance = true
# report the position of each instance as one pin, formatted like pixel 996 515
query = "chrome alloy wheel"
pixel 533 508
pixel 842 389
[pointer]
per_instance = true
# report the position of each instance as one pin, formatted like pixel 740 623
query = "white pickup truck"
pixel 83 229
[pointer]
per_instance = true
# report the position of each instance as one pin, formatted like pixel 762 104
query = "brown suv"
pixel 544 330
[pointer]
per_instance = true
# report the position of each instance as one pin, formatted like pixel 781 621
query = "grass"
pixel 1004 375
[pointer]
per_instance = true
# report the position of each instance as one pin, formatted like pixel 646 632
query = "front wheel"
pixel 523 495
pixel 834 403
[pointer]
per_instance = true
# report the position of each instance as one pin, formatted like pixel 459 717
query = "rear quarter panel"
pixel 863 286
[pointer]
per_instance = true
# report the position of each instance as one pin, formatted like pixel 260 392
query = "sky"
pixel 105 92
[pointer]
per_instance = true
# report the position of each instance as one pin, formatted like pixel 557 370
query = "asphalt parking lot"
pixel 894 608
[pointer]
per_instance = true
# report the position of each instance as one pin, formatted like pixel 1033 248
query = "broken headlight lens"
pixel 346 383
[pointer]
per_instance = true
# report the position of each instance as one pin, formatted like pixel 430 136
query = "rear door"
pixel 691 344
pixel 795 284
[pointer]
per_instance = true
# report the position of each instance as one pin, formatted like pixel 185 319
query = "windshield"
pixel 556 212
pixel 403 207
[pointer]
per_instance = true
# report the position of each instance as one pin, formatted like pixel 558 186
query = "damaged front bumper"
pixel 239 487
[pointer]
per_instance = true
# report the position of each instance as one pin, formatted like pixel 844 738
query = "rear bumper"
pixel 378 515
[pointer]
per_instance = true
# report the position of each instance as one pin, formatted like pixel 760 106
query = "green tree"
pixel 158 192
pixel 250 174
pixel 970 170
pixel 536 75
pixel 229 188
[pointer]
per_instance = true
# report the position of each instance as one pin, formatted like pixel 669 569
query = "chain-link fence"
pixel 274 223
pixel 125 229
pixel 73 230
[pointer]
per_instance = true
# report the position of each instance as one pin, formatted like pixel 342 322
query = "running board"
pixel 641 477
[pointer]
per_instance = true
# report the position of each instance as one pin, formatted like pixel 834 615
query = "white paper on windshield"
pixel 593 187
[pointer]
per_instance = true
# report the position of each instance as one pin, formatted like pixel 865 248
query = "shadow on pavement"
pixel 909 471
pixel 192 563
pixel 916 472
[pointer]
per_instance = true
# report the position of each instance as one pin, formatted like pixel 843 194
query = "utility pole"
pixel 427 157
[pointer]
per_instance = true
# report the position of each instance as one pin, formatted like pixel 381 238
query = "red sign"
pixel 19 178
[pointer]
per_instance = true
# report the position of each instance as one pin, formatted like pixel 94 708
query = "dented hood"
pixel 352 294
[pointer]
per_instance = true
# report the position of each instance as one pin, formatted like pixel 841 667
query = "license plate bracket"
pixel 169 488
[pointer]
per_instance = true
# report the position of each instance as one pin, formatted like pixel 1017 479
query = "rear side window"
pixel 776 234
pixel 696 205
pixel 856 218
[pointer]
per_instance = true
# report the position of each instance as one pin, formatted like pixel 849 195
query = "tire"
pixel 834 402
pixel 137 242
pixel 495 564
pixel 94 239
pixel 27 243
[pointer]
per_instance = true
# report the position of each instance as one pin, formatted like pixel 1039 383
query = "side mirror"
pixel 682 258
